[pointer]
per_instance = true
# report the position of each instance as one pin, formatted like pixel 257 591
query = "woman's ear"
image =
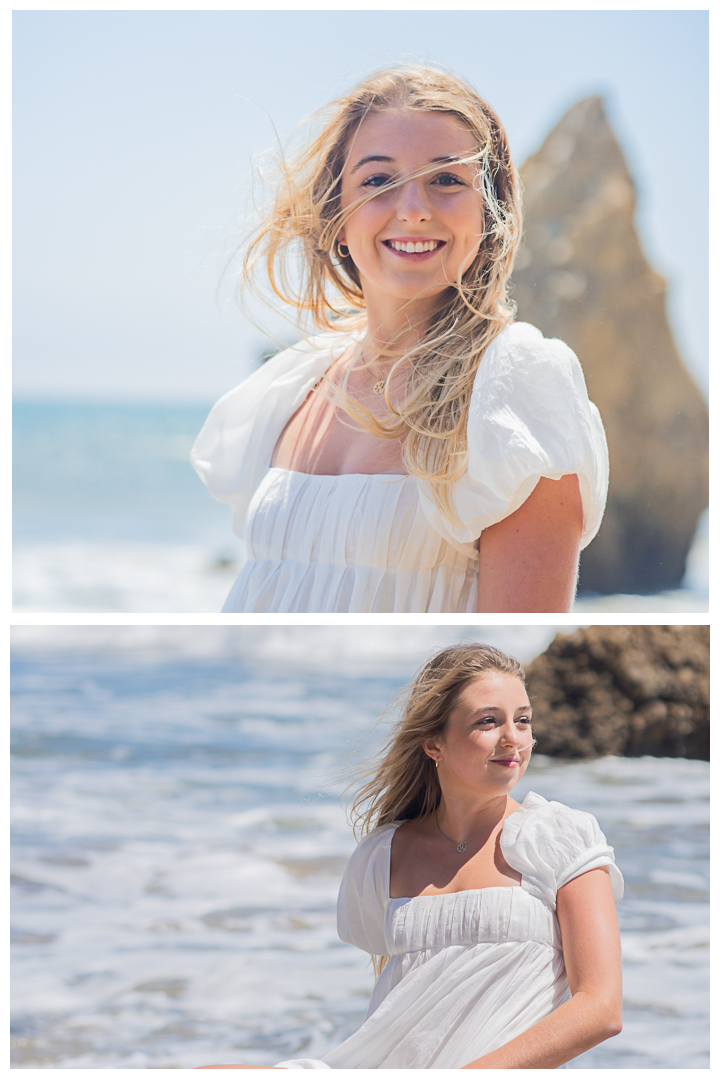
pixel 431 748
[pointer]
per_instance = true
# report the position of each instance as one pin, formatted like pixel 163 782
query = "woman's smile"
pixel 414 246
pixel 423 226
pixel 487 739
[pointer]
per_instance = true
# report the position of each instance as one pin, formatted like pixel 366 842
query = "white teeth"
pixel 412 247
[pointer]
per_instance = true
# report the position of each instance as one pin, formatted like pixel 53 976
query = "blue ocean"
pixel 179 836
pixel 109 516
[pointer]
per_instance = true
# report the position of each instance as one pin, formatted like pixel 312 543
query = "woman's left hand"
pixel 529 561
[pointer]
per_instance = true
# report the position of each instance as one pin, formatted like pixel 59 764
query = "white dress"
pixel 468 971
pixel 377 543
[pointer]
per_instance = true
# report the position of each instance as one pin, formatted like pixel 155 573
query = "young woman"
pixel 422 453
pixel 493 922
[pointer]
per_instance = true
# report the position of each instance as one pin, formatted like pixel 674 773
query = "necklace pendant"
pixel 379 386
pixel 461 848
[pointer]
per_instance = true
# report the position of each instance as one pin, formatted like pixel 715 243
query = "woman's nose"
pixel 511 735
pixel 412 203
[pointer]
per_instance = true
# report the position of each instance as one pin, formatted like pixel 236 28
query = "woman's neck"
pixel 460 818
pixel 393 330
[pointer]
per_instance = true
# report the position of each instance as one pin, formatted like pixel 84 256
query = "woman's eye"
pixel 524 720
pixel 448 180
pixel 376 180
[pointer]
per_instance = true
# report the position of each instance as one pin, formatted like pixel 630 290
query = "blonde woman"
pixel 422 452
pixel 492 922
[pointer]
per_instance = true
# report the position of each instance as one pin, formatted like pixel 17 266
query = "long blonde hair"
pixel 297 245
pixel 401 781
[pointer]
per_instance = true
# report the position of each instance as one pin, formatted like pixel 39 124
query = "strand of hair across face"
pixel 431 420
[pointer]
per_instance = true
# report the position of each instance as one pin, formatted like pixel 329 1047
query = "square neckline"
pixel 334 476
pixel 279 468
pixel 458 892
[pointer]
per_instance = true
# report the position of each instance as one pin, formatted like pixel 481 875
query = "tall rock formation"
pixel 582 276
pixel 625 690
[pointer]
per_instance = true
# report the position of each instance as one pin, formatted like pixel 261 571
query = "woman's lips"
pixel 509 763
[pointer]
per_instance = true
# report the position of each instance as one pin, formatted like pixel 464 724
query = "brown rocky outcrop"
pixel 582 277
pixel 624 690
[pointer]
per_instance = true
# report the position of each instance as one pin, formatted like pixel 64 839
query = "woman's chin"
pixel 504 776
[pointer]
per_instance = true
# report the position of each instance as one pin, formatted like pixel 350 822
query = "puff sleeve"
pixel 550 844
pixel 234 449
pixel 530 417
pixel 364 893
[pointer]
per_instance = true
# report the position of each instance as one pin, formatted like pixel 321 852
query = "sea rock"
pixel 624 690
pixel 582 276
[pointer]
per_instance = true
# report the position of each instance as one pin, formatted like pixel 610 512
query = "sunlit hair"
pixel 401 781
pixel 297 246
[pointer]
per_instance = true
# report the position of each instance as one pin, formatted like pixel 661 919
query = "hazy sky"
pixel 135 132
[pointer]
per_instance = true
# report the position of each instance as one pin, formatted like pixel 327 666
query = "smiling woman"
pixel 423 453
pixel 491 923
pixel 412 239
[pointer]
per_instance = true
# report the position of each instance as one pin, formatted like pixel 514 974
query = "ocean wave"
pixel 179 834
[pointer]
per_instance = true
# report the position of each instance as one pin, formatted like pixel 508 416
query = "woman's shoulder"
pixel 235 445
pixel 365 891
pixel 523 335
pixel 368 868
pixel 529 417
pixel 538 815
pixel 316 351
pixel 521 351
pixel 550 843
pixel 377 842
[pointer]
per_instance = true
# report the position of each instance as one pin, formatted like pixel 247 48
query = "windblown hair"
pixel 297 245
pixel 402 781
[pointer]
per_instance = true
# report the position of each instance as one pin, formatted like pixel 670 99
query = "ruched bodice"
pixel 505 913
pixel 476 931
pixel 314 544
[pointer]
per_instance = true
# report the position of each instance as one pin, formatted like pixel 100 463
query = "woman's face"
pixel 412 241
pixel 486 744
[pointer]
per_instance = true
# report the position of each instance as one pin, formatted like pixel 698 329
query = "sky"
pixel 135 134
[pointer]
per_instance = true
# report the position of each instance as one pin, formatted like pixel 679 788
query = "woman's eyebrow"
pixel 497 709
pixel 370 157
pixel 451 159
pixel 447 159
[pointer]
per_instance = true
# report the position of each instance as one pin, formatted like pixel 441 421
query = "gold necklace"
pixel 379 387
pixel 462 846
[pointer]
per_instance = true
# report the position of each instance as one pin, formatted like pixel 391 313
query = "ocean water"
pixel 178 841
pixel 109 516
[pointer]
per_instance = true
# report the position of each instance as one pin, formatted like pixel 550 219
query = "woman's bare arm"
pixel 529 561
pixel 591 947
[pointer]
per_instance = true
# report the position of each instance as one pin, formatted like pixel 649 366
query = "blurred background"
pixel 136 134
pixel 178 836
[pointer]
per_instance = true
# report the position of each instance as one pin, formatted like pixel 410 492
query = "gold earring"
pixel 343 254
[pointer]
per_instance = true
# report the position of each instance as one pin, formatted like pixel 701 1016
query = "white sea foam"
pixel 83 576
pixel 80 575
pixel 345 650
